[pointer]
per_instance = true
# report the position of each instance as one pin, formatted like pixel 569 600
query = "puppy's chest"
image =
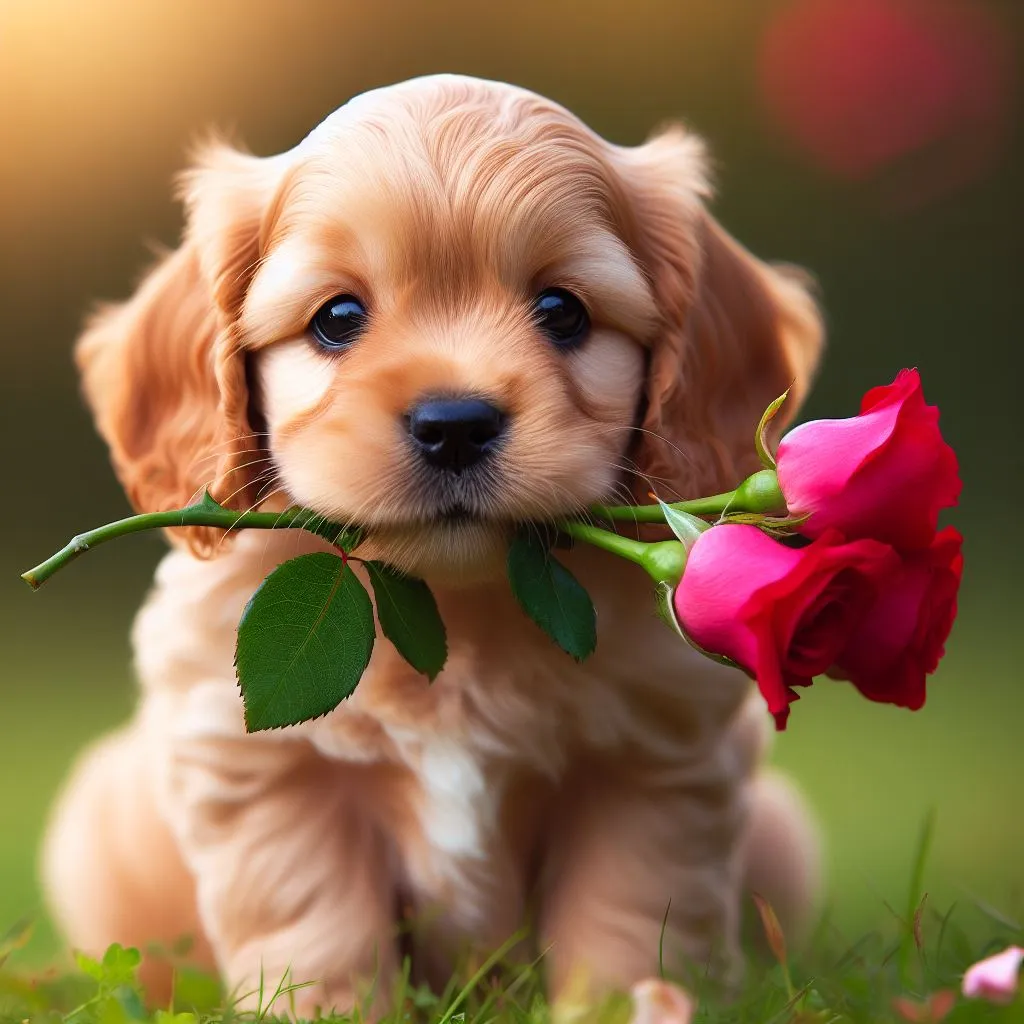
pixel 474 825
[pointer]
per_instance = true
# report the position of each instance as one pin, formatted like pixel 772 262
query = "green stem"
pixel 624 547
pixel 714 505
pixel 203 514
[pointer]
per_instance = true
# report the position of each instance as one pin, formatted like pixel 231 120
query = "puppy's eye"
pixel 339 322
pixel 562 317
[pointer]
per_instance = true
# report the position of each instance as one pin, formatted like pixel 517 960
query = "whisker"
pixel 259 500
pixel 214 450
pixel 214 456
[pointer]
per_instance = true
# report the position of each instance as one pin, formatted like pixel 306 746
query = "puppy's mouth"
pixel 457 515
pixel 459 501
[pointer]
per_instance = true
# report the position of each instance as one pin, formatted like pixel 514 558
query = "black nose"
pixel 453 433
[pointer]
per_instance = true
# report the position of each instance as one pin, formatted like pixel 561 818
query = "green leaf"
pixel 196 991
pixel 87 965
pixel 120 962
pixel 304 641
pixel 761 436
pixel 409 618
pixel 552 597
pixel 130 1002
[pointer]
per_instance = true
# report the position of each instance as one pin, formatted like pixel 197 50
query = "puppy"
pixel 452 308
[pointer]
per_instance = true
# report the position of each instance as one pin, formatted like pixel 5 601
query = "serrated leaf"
pixel 304 641
pixel 409 618
pixel 761 436
pixel 552 597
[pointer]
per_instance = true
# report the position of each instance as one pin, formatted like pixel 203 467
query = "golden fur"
pixel 589 796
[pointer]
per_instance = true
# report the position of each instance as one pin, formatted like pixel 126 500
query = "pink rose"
pixel 782 614
pixel 884 474
pixel 995 978
pixel 903 636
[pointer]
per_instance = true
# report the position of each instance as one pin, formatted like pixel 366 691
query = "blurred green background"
pixel 873 141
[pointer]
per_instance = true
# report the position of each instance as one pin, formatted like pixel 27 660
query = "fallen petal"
pixel 996 977
pixel 941 1004
pixel 660 1002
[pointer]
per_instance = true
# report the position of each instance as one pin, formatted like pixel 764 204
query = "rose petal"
pixel 900 641
pixel 660 1002
pixel 885 473
pixel 761 603
pixel 996 977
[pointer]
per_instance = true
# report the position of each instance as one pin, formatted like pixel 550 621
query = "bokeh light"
pixel 859 86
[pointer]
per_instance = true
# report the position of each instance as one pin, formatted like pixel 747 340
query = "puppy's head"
pixel 452 308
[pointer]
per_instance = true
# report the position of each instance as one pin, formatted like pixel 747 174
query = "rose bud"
pixel 884 474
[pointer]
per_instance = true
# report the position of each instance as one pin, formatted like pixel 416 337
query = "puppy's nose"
pixel 454 433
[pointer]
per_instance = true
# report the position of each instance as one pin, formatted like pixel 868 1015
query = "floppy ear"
pixel 735 332
pixel 163 372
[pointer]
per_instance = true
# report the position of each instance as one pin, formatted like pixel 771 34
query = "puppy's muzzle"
pixel 455 433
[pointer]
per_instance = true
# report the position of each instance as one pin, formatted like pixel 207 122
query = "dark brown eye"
pixel 562 317
pixel 339 322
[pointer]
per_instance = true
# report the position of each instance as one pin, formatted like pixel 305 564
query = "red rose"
pixel 884 474
pixel 782 614
pixel 903 636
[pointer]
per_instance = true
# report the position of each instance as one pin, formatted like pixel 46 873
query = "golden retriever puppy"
pixel 450 309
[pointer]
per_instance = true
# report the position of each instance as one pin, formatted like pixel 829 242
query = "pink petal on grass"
pixel 660 1002
pixel 933 1011
pixel 996 977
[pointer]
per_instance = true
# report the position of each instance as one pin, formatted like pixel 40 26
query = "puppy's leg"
pixel 782 852
pixel 781 847
pixel 294 881
pixel 111 868
pixel 628 847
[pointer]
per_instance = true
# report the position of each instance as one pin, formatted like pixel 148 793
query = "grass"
pixel 903 973
pixel 910 970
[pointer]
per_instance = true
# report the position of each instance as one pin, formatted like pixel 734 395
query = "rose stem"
pixel 712 506
pixel 193 515
pixel 624 547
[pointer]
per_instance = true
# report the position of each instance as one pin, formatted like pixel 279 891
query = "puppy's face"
pixel 450 310
pixel 449 332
